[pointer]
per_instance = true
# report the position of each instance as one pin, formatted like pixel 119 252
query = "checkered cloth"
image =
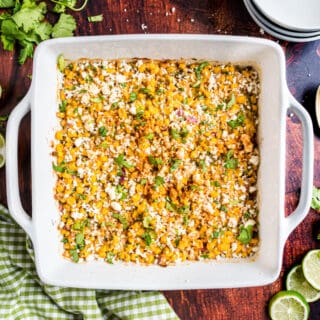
pixel 23 296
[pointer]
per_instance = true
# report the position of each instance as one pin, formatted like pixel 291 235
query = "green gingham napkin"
pixel 24 296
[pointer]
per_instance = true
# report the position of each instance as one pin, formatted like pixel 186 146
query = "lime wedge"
pixel 288 305
pixel 2 150
pixel 296 281
pixel 311 268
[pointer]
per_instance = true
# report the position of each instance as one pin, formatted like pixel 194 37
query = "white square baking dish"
pixel 274 227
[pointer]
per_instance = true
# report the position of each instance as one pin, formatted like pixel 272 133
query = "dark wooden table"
pixel 207 17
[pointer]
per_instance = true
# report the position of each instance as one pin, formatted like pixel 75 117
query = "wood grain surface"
pixel 207 17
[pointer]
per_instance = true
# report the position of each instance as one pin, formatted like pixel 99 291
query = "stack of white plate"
pixel 290 20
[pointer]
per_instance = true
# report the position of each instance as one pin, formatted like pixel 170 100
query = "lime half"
pixel 2 150
pixel 288 305
pixel 311 268
pixel 296 281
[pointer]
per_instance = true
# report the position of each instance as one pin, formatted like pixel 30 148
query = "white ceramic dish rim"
pixel 292 14
pixel 261 23
pixel 265 20
pixel 274 229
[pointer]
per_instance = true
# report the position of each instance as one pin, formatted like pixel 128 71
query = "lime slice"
pixel 2 150
pixel 311 268
pixel 296 281
pixel 288 305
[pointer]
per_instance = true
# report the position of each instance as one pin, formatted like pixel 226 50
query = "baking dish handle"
pixel 12 178
pixel 292 221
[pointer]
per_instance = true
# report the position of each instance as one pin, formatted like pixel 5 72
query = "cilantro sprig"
pixel 24 24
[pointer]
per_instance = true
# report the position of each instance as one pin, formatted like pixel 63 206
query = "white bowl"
pixel 274 227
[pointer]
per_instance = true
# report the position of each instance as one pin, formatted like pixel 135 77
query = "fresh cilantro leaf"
pixel 43 30
pixel 7 42
pixel 315 202
pixel 26 52
pixel 61 6
pixel 30 15
pixel 7 3
pixel 64 27
pixel 199 69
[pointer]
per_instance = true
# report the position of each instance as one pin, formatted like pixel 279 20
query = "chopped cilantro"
pixel 216 234
pixel 121 162
pixel 231 162
pixel 103 131
pixel 121 219
pixel 155 161
pixel 122 192
pixel 60 167
pixel 147 222
pixel 149 136
pixel 199 69
pixel 80 239
pixel 74 255
pixel 175 163
pixel 61 62
pixel 109 257
pixel 239 121
pixel 245 234
pixel 147 238
pixel 143 181
pixel 97 18
pixel 231 102
pixel 133 97
pixel 158 181
pixel 63 106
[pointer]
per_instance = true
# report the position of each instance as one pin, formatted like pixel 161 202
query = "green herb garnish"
pixel 231 162
pixel 231 102
pixel 133 97
pixel 97 18
pixel 245 234
pixel 175 164
pixel 315 202
pixel 74 255
pixel 121 162
pixel 103 131
pixel 155 161
pixel 158 181
pixel 239 121
pixel 121 219
pixel 149 136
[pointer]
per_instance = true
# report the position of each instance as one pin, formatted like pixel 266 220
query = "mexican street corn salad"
pixel 156 161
